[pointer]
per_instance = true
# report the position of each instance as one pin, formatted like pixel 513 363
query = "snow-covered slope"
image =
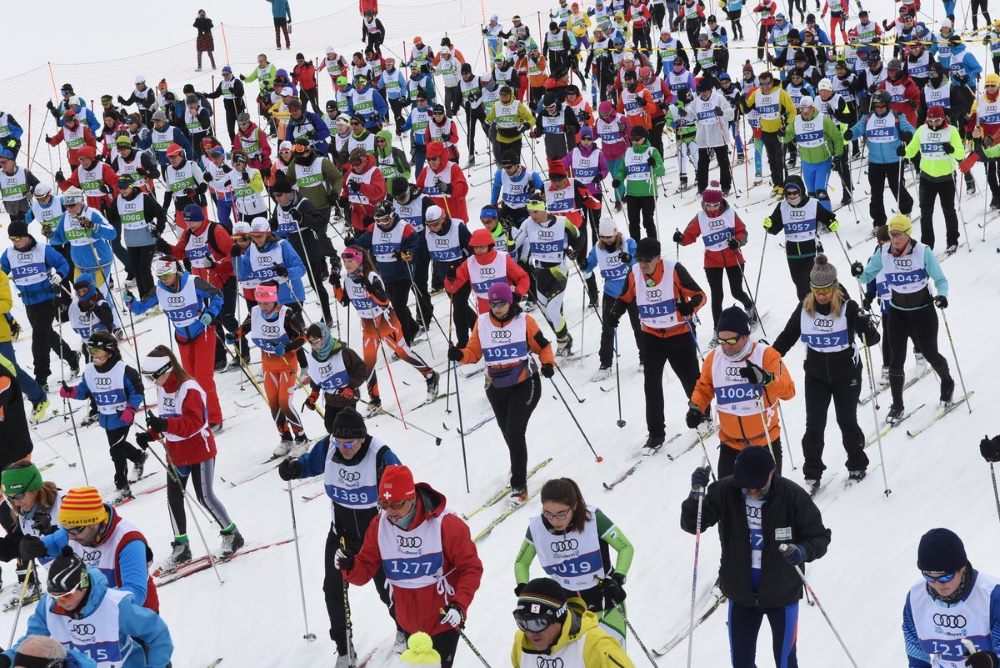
pixel 255 618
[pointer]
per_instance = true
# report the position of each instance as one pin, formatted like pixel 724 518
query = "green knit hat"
pixel 21 479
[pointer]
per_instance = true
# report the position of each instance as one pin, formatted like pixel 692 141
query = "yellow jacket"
pixel 600 650
pixel 6 304
pixel 578 24
pixel 785 105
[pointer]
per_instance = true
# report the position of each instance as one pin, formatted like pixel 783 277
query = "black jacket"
pixel 788 506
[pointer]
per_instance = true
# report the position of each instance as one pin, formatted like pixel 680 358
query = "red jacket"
pixel 73 154
pixel 768 6
pixel 452 204
pixel 254 134
pixel 304 75
pixel 373 191
pixel 108 178
pixel 911 99
pixel 516 276
pixel 195 447
pixel 717 259
pixel 218 247
pixel 420 609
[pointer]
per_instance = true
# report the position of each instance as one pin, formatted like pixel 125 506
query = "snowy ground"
pixel 255 617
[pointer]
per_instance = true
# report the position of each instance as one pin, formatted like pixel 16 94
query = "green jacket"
pixel 935 164
pixel 832 146
pixel 636 188
pixel 391 160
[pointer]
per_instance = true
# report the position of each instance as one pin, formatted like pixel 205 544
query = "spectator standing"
pixel 205 43
pixel 282 14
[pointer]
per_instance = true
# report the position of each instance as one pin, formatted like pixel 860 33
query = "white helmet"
pixel 806 101
pixel 73 196
pixel 607 227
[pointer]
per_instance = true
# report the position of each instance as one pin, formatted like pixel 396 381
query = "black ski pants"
pixel 922 325
pixel 775 159
pixel 335 593
pixel 944 190
pixel 141 258
pixel 878 176
pixel 679 350
pixel 727 458
pixel 44 338
pixel 644 209
pixel 725 172
pixel 735 276
pixel 800 268
pixel 845 393
pixel 608 330
pixel 122 452
pixel 513 407
pixel 399 294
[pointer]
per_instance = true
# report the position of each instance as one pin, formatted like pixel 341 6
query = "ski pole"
pixel 569 385
pixel 750 295
pixel 20 600
pixel 621 611
pixel 760 271
pixel 409 425
pixel 784 547
pixel 420 310
pixel 958 367
pixel 694 569
pixel 764 422
pixel 618 382
pixel 447 385
pixel 348 626
pixel 298 563
pixel 878 432
pixel 582 432
pixel 76 437
pixel 788 438
pixel 469 643
pixel 996 494
pixel 388 368
pixel 461 424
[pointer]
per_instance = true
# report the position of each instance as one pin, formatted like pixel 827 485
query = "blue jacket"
pixel 372 120
pixel 964 63
pixel 320 135
pixel 534 179
pixel 43 291
pixel 396 76
pixel 615 286
pixel 883 153
pixel 211 299
pixel 161 156
pixel 417 137
pixel 134 623
pixel 95 255
pixel 296 270
pixel 280 9
pixel 931 266
pixel 313 463
pixel 133 396
pixel 395 270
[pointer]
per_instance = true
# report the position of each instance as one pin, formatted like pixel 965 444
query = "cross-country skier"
pixel 756 572
pixel 445 560
pixel 351 461
pixel 828 321
pixel 486 267
pixel 30 507
pixel 335 370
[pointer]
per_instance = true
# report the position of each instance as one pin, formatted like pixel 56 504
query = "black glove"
pixel 685 308
pixel 900 150
pixel 947 148
pixel 42 523
pixel 905 136
pixel 613 588
pixel 651 161
pixel 981 659
pixel 701 477
pixel 49 105
pixel 280 270
pixel 31 547
pixel 624 257
pixel 755 374
pixel 242 78
pixel 295 215
pixel 857 269
pixel 989 448
pixel 60 177
pixel 354 186
pixel 454 354
pixel 866 303
pixel 450 274
pixel 678 236
pixel 443 187
pixel 105 189
pixel 733 243
pixel 163 246
pixel 142 439
pixel 870 335
pixel 235 251
pixel 208 177
pixel 615 183
pixel 718 111
pixel 548 370
pixel 848 135
pixel 155 422
pixel 570 252
pixel 289 469
pixel 940 301
pixel 694 417
pixel 794 554
pixel 517 589
pixel 334 279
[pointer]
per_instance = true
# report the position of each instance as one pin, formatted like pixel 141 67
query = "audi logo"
pixel 349 476
pixel 102 382
pixel 546 234
pixel 24 257
pixel 797 213
pixel 823 322
pixel 903 263
pixel 409 541
pixel 542 662
pixel 90 557
pixel 83 629
pixel 654 294
pixel 717 222
pixel 130 206
pixel 949 621
pixel 176 300
pixel 265 258
pixel 441 242
pixel 733 371
pixel 501 334
pixel 753 512
pixel 564 545
pixel 169 402
pixel 326 368
pixel 270 329
pixel 487 271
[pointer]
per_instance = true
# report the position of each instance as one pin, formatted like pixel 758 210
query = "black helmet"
pixel 384 209
pixel 103 341
pixel 882 97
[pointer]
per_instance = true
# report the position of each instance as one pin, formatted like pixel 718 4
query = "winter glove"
pixel 685 308
pixel 834 226
pixel 128 298
pixel 678 236
pixel 718 111
pixel 347 393
pixel 31 547
pixel 453 616
pixel 450 274
pixel 334 279
pixel 243 78
pixel 280 269
pixel 127 415
pixel 766 222
pixel 868 332
pixel 900 150
pixel 289 469
pixel 756 375
pixel 443 187
pixel 310 402
pixel 848 135
pixel 700 478
pixel 205 319
pixel 142 439
pixel 613 588
pixel 857 269
pixel 155 422
pixel 651 161
pixel 454 354
pixel 343 559
pixel 60 177
pixel 978 658
pixel 624 257
pixel 571 253
pixel 235 251
pixel 948 148
pixel 207 176
pixel 989 448
pixel 163 246
pixel 406 256
pixel 519 588
pixel 67 392
pixel 42 523
pixel 105 188
pixel 548 370
pixel 279 349
pixel 694 417
pixel 866 303
pixel 905 136
pixel 733 243
pixel 941 301
pixel 615 183
pixel 295 215
pixel 793 554
pixel 49 106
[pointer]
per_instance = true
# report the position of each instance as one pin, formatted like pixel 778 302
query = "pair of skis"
pixel 647 455
pixel 500 495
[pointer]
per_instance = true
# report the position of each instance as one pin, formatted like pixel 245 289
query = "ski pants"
pixel 977 6
pixel 452 100
pixel 45 338
pixel 226 322
pixel 762 35
pixel 224 210
pixel 399 294
pixel 550 289
pixel 280 379
pixel 198 359
pixel 656 132
pixel 141 258
pixel 886 344
pixel 845 393
pixel 609 330
pixel 744 627
pixel 513 407
pixel 388 332
pixel 945 191
pixel 613 168
pixel 735 24
pixel 473 116
pixel 397 105
pixel 679 350
pixel 837 21
pixel 419 154
pixel 922 325
pixel 816 176
pixel 734 130
pixel 27 384
pixel 775 162
pixel 333 587
pixel 728 454
pixel 463 314
pixel 122 452
pixel 419 270
pixel 949 9
pixel 758 156
pixel 203 475
pixel 684 150
pixel 879 175
pixel 991 177
pixel 735 276
pixel 644 207
pixel 800 268
pixel 725 172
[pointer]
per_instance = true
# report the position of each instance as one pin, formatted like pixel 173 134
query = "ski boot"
pixel 140 466
pixel 284 445
pixel 399 645
pixel 121 495
pixel 565 346
pixel 894 414
pixel 32 592
pixel 812 486
pixel 180 553
pixel 778 191
pixel 231 542
pixel 38 411
pixel 602 374
pixel 518 497
pixel 947 391
pixel 857 476
pixel 216 428
pixel 432 387
pixel 758 178
pixel 683 181
pixel 471 163
pixel 91 418
pixel 970 186
pixel 374 408
pixel 652 444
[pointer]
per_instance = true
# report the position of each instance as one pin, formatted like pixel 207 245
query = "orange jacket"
pixel 649 108
pixel 685 289
pixel 738 432
pixel 537 344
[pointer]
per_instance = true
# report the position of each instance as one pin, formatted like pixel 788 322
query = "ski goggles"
pixel 822 291
pixel 15 239
pixel 729 342
pixel 532 623
pixel 349 443
pixel 943 578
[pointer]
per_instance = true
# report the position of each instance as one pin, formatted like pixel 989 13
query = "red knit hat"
pixel 396 484
pixel 436 149
pixel 936 112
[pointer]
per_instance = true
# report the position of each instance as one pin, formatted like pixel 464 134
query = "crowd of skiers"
pixel 331 198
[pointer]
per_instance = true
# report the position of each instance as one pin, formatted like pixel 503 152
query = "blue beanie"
pixel 734 319
pixel 193 212
pixel 941 550
pixel 85 280
pixel 489 211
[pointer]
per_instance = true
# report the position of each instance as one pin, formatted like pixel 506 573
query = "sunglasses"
pixel 943 579
pixel 822 291
pixel 498 302
pixel 95 351
pixel 15 497
pixel 315 342
pixel 730 341
pixel 532 624
pixel 392 505
pixel 792 193
pixel 347 445
pixel 15 239
pixel 60 597
pixel 586 139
